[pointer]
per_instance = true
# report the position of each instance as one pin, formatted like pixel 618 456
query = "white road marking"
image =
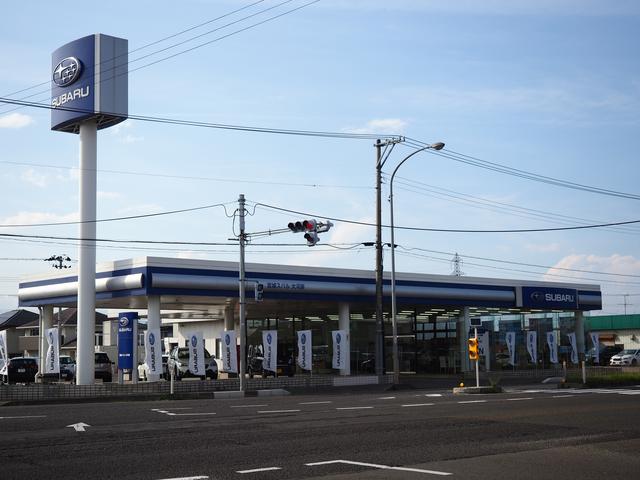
pixel 562 396
pixel 23 416
pixel 386 398
pixel 314 403
pixel 474 401
pixel 433 395
pixel 190 414
pixel 352 408
pixel 247 406
pixel 277 411
pixel 517 399
pixel 79 427
pixel 417 405
pixel 255 470
pixel 200 477
pixel 384 467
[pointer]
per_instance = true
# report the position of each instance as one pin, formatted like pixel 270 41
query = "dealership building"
pixel 434 317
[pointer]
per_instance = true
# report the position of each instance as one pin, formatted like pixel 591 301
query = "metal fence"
pixel 558 371
pixel 54 391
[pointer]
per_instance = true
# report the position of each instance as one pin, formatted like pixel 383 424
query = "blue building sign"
pixel 126 340
pixel 546 298
pixel 89 79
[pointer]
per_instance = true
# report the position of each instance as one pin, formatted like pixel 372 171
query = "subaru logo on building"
pixel 124 321
pixel 269 338
pixel 537 296
pixel 338 338
pixel 67 71
pixel 303 338
pixel 227 339
pixel 152 339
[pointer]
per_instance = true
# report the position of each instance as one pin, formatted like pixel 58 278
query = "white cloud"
pixel 381 126
pixel 15 120
pixel 122 133
pixel 29 218
pixel 35 178
pixel 618 264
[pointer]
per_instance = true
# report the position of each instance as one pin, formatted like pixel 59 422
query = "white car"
pixel 626 357
pixel 143 369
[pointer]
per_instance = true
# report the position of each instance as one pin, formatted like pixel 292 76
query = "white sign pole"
pixel 475 334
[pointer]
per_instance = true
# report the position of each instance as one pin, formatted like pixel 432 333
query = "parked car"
pixel 606 352
pixel 284 366
pixel 143 369
pixel 67 367
pixel 178 364
pixel 20 369
pixel 626 357
pixel 103 367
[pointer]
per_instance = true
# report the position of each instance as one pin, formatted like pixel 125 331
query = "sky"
pixel 548 87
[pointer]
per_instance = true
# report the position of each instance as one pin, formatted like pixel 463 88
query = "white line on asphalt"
pixel 352 408
pixel 277 411
pixel 384 467
pixel 190 414
pixel 247 406
pixel 23 416
pixel 474 401
pixel 255 470
pixel 386 398
pixel 562 396
pixel 418 405
pixel 517 399
pixel 433 395
pixel 314 403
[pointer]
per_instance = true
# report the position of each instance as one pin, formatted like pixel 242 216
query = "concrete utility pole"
pixel 379 345
pixel 242 280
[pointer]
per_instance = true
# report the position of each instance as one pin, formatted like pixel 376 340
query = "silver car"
pixel 626 357
pixel 178 364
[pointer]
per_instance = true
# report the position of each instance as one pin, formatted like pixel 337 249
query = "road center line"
pixel 277 411
pixel 517 399
pixel 417 405
pixel 247 406
pixel 352 408
pixel 255 470
pixel 314 403
pixel 190 414
pixel 474 401
pixel 384 467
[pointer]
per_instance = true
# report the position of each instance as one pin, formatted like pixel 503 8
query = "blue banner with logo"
pixel 545 298
pixel 125 339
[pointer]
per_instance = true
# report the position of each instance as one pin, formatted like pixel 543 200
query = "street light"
pixel 394 322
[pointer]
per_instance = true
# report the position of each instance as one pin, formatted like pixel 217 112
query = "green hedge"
pixel 613 380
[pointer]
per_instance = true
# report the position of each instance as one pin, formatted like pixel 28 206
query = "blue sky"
pixel 551 87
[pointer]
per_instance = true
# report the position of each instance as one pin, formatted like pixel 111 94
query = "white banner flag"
pixel 532 346
pixel 553 347
pixel 340 354
pixel 4 352
pixel 511 345
pixel 595 339
pixel 270 347
pixel 574 347
pixel 52 359
pixel 483 344
pixel 229 353
pixel 196 354
pixel 153 352
pixel 304 349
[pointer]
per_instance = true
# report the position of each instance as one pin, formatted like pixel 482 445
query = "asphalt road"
pixel 521 434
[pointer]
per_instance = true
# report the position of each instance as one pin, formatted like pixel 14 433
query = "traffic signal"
pixel 311 228
pixel 311 238
pixel 473 349
pixel 259 292
pixel 302 226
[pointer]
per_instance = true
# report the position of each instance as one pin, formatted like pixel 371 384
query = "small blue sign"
pixel 126 342
pixel 545 298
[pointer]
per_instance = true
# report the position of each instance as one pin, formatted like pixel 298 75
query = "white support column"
pixel 85 358
pixel 464 324
pixel 46 321
pixel 153 323
pixel 344 324
pixel 580 334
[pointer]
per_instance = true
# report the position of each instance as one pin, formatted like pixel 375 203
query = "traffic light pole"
pixel 475 334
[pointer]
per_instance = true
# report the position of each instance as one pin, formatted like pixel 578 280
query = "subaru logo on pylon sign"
pixel 269 338
pixel 338 338
pixel 194 341
pixel 303 338
pixel 67 71
pixel 124 321
pixel 51 337
pixel 152 339
pixel 227 339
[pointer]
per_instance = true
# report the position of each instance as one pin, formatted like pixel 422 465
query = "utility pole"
pixel 379 345
pixel 243 321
